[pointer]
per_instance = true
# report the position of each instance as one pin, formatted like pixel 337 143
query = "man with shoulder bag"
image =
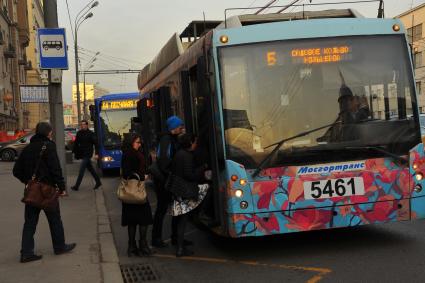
pixel 38 167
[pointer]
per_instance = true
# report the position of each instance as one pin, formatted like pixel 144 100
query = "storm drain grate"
pixel 138 273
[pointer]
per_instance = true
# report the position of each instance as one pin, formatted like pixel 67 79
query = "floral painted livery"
pixel 276 201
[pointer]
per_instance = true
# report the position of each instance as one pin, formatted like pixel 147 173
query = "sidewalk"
pixel 86 223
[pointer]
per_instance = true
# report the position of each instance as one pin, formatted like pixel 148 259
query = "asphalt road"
pixel 392 252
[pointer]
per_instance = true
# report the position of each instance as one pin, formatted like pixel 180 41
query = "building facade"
pixel 68 118
pixel 37 111
pixel 414 21
pixel 14 38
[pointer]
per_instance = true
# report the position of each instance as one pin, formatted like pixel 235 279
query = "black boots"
pixel 144 249
pixel 132 249
pixel 183 251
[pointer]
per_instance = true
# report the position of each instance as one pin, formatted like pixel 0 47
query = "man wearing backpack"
pixel 167 148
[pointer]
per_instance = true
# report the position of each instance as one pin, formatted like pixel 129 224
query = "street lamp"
pixel 82 16
pixel 87 67
pixel 85 97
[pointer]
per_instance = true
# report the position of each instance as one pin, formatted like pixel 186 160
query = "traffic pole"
pixel 50 10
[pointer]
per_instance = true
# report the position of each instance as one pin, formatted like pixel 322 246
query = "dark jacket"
pixel 184 166
pixel 50 170
pixel 168 146
pixel 84 143
pixel 133 162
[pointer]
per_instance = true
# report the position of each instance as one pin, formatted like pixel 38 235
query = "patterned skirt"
pixel 179 206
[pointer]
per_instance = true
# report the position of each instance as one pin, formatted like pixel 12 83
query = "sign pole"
pixel 55 90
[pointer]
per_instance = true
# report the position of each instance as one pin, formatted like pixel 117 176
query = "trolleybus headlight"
pixel 224 39
pixel 242 182
pixel 415 166
pixel 234 178
pixel 244 205
pixel 418 188
pixel 107 159
pixel 239 193
pixel 396 27
pixel 419 176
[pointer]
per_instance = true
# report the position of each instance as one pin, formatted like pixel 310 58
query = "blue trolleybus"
pixel 308 120
pixel 112 118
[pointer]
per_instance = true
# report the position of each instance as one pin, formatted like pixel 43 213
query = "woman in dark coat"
pixel 184 166
pixel 133 215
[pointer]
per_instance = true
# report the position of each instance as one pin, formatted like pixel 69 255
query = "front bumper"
pixel 281 222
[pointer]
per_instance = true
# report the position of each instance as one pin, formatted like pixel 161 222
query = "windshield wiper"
pixel 280 143
pixel 381 150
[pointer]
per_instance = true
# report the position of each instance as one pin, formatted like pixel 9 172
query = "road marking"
pixel 321 272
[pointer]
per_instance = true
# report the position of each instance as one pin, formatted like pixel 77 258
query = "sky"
pixel 129 33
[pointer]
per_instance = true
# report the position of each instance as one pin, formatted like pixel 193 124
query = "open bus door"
pixel 206 109
pixel 148 129
pixel 153 111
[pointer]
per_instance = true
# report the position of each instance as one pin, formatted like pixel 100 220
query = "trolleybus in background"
pixel 308 120
pixel 112 119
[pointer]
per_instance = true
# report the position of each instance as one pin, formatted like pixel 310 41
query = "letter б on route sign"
pixel 53 49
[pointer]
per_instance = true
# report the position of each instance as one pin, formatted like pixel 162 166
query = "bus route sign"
pixel 120 104
pixel 53 49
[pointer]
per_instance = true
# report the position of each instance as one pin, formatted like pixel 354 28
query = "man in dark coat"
pixel 168 146
pixel 49 171
pixel 83 149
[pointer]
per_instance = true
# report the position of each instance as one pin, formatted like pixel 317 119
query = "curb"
pixel 109 261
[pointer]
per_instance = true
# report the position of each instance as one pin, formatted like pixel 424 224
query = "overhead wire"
pixel 115 61
pixel 114 82
pixel 70 21
pixel 250 5
pixel 110 56
pixel 100 57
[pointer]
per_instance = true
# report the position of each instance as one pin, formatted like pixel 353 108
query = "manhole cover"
pixel 138 273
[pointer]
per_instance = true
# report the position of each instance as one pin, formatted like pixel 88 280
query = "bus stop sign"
pixel 53 49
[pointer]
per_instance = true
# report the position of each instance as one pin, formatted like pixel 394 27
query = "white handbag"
pixel 132 191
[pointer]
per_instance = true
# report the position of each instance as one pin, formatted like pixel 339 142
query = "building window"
pixel 418 59
pixel 416 31
pixel 419 88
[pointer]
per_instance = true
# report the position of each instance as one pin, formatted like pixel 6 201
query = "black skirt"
pixel 136 214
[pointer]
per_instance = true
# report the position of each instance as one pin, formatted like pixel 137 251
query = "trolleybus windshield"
pixel 115 120
pixel 275 90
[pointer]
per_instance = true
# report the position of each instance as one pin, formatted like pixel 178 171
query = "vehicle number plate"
pixel 333 188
